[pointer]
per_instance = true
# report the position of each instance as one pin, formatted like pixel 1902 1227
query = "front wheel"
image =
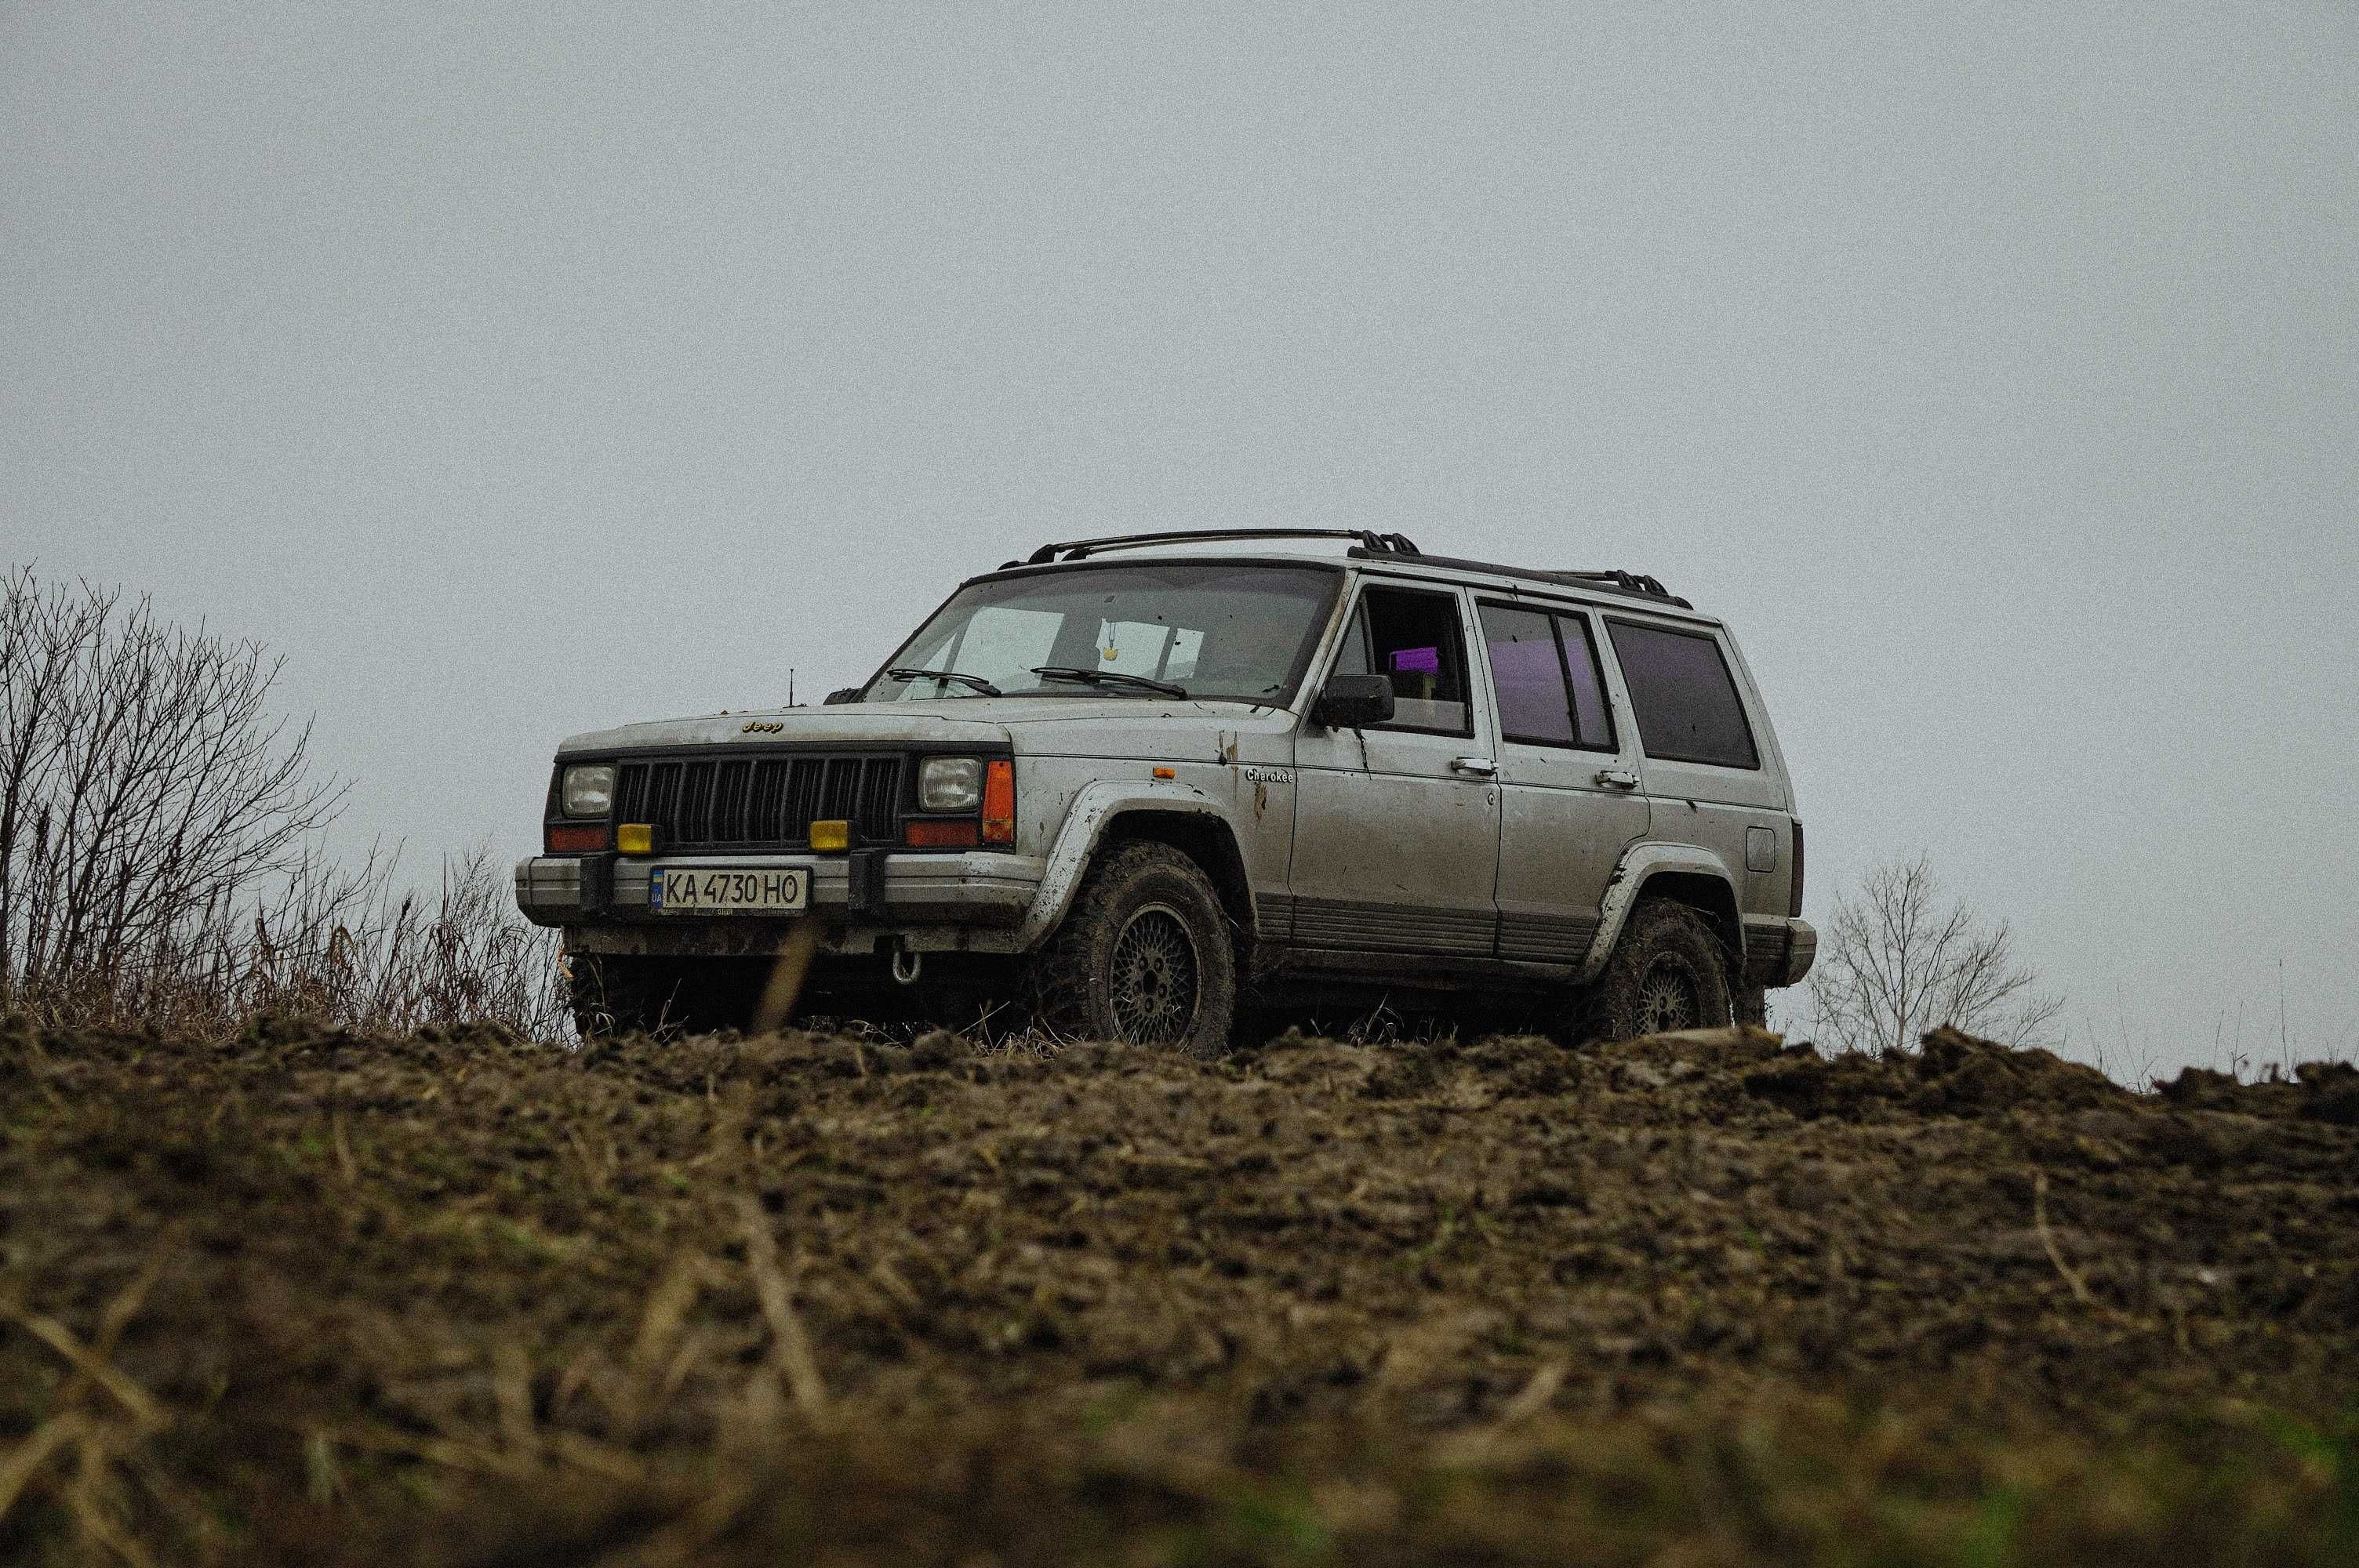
pixel 1144 956
pixel 1667 973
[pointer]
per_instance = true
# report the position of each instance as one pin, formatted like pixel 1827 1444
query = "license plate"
pixel 721 889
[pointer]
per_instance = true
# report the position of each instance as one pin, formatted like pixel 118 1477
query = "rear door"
pixel 1396 826
pixel 1707 780
pixel 1568 777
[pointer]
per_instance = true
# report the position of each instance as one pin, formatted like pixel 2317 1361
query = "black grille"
pixel 732 803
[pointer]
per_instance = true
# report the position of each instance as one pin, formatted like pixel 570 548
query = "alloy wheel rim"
pixel 1152 991
pixel 1668 1001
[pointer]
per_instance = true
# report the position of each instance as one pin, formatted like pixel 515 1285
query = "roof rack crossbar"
pixel 1081 550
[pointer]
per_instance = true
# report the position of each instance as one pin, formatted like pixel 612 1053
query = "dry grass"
pixel 343 951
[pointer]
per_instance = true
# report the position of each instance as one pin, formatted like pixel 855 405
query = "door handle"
pixel 1480 767
pixel 1619 778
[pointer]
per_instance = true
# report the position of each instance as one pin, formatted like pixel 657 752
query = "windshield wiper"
pixel 1106 678
pixel 975 682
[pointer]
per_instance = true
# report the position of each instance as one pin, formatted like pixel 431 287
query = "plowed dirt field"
pixel 309 1297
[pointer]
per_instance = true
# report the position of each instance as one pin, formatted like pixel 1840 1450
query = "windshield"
pixel 1200 629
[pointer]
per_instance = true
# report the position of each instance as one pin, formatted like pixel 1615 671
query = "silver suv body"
pixel 1134 784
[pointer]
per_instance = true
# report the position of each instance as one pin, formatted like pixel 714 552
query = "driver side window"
pixel 1413 639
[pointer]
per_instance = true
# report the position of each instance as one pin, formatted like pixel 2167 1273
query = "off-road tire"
pixel 1669 971
pixel 1146 953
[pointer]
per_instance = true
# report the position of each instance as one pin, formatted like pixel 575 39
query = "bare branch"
pixel 1895 962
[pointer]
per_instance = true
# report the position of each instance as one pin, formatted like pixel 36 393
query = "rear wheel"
pixel 1144 956
pixel 1668 972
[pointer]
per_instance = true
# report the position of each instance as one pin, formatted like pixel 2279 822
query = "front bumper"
pixel 925 900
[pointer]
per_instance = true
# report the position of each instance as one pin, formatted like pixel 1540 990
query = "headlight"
pixel 949 784
pixel 588 790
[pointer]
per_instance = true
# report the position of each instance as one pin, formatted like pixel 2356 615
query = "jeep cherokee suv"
pixel 1131 781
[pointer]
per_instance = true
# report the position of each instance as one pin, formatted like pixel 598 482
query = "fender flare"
pixel 1093 808
pixel 1639 863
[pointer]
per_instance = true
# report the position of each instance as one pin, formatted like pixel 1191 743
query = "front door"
pixel 1568 778
pixel 1396 826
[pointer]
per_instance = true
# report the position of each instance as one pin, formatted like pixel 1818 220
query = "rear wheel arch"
pixel 1710 896
pixel 1668 872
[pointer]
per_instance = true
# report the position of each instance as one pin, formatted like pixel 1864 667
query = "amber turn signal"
pixel 957 835
pixel 635 838
pixel 582 840
pixel 832 834
pixel 999 802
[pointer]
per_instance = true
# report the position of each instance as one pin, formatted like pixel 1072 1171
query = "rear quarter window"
pixel 1683 697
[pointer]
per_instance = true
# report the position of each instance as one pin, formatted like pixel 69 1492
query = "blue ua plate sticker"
pixel 655 887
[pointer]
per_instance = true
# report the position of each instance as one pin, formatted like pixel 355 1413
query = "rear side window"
pixel 1686 702
pixel 1544 668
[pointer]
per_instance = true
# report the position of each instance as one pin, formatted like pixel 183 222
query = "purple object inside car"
pixel 1417 661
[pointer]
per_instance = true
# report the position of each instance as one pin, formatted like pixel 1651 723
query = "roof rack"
pixel 1367 545
pixel 1634 583
pixel 1081 550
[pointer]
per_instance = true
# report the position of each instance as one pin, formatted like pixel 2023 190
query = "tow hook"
pixel 906 965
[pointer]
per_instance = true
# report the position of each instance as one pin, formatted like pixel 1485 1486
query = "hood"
pixel 1070 726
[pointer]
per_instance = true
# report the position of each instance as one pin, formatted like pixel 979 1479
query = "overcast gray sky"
pixel 1994 370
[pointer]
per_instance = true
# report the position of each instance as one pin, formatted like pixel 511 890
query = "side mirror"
pixel 1353 702
pixel 842 694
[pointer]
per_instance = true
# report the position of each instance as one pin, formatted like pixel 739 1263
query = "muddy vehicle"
pixel 1137 784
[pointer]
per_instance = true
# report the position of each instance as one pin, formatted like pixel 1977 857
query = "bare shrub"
pixel 161 855
pixel 347 949
pixel 1895 961
pixel 143 788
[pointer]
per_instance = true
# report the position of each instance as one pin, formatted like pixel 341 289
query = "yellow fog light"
pixel 832 835
pixel 635 838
